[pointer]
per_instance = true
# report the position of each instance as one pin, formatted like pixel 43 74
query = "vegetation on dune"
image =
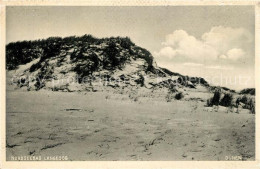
pixel 112 56
pixel 170 72
pixel 248 102
pixel 251 106
pixel 224 89
pixel 140 80
pixel 215 99
pixel 25 51
pixel 87 54
pixel 21 53
pixel 250 91
pixel 179 96
pixel 228 100
pixel 172 93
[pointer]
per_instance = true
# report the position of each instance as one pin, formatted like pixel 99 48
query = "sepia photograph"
pixel 130 83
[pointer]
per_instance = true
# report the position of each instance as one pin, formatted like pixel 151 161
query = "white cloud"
pixel 223 57
pixel 226 38
pixel 177 36
pixel 166 52
pixel 235 54
pixel 179 43
pixel 220 42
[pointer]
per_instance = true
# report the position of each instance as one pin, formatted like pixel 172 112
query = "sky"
pixel 213 42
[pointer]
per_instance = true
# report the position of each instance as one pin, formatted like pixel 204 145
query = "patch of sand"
pixel 109 126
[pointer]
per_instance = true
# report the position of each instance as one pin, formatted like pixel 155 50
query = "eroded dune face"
pixel 106 99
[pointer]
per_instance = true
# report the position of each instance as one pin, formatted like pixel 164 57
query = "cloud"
pixel 223 57
pixel 177 36
pixel 235 54
pixel 226 38
pixel 180 44
pixel 166 52
pixel 219 43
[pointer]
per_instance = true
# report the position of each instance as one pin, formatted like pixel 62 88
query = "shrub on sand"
pixel 251 105
pixel 253 108
pixel 170 94
pixel 215 99
pixel 179 96
pixel 248 103
pixel 226 101
pixel 244 99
